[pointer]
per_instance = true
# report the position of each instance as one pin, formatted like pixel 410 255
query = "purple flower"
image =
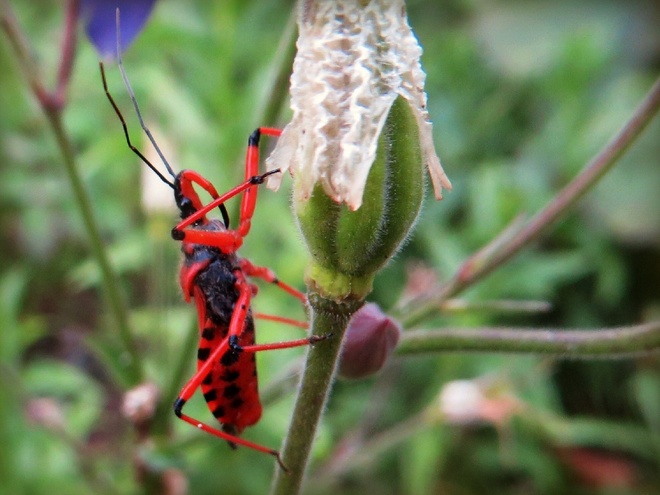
pixel 99 18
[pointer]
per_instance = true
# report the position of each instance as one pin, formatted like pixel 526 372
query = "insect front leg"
pixel 232 240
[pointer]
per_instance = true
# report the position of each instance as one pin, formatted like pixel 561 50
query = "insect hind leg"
pixel 233 440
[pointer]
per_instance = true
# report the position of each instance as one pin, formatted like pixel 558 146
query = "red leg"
pixel 188 177
pixel 235 328
pixel 229 438
pixel 252 169
pixel 281 319
pixel 240 313
pixel 268 275
pixel 230 240
pixel 285 345
pixel 229 344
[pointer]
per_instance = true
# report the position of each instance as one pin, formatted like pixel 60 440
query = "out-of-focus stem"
pixel 68 52
pixel 131 371
pixel 504 247
pixel 22 48
pixel 569 344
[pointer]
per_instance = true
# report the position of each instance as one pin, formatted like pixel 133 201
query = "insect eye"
pixel 186 207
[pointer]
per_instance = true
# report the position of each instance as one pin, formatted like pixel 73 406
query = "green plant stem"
pixel 328 317
pixel 52 105
pixel 132 372
pixel 569 344
pixel 498 306
pixel 514 239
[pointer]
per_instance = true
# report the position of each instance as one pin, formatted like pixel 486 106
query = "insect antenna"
pixel 128 139
pixel 129 88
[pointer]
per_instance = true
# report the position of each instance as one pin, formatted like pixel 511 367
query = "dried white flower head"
pixel 354 58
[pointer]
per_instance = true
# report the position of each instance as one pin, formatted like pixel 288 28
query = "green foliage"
pixel 521 95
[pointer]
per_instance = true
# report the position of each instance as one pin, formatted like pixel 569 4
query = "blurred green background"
pixel 522 94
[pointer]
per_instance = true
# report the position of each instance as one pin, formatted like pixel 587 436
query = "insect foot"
pixel 259 179
pixel 319 338
pixel 178 406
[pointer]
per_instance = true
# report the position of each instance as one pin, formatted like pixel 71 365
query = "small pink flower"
pixel 477 401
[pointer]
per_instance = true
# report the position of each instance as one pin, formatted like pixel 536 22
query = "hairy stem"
pixel 328 317
pixel 132 371
pixel 619 342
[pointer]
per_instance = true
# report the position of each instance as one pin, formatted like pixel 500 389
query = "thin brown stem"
pixel 615 343
pixel 505 246
pixel 68 54
pixel 21 46
pixel 130 370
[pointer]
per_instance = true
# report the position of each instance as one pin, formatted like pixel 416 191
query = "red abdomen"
pixel 231 389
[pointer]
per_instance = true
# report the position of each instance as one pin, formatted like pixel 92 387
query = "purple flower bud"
pixel 99 18
pixel 370 339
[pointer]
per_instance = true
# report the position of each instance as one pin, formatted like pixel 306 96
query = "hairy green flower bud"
pixel 351 246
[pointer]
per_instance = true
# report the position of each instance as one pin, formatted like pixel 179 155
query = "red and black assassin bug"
pixel 216 278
